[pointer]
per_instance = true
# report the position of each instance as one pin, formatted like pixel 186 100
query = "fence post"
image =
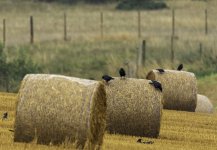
pixel 101 24
pixel 141 55
pixel 65 27
pixel 206 22
pixel 31 30
pixel 4 32
pixel 200 50
pixel 172 38
pixel 173 22
pixel 143 52
pixel 172 52
pixel 139 24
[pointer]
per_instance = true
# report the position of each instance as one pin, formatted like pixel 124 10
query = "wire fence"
pixel 140 24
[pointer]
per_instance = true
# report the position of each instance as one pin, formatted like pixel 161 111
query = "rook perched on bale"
pixel 122 72
pixel 180 67
pixel 107 78
pixel 156 85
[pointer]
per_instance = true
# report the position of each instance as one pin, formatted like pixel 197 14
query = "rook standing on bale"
pixel 122 72
pixel 107 78
pixel 5 116
pixel 160 70
pixel 156 84
pixel 180 67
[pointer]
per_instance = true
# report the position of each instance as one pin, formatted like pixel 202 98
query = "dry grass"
pixel 179 130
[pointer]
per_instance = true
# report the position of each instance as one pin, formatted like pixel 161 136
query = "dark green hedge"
pixel 141 5
pixel 75 1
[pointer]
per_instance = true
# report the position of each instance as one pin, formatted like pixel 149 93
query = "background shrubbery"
pixel 13 72
pixel 122 4
pixel 141 5
pixel 75 1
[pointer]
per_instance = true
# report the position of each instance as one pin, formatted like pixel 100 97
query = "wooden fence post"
pixel 31 30
pixel 172 52
pixel 200 51
pixel 141 55
pixel 143 52
pixel 206 22
pixel 4 32
pixel 65 27
pixel 172 38
pixel 173 22
pixel 139 24
pixel 101 24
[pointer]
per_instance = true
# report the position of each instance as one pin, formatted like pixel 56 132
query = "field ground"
pixel 179 130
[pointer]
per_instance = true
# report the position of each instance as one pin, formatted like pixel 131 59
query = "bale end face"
pixel 98 117
pixel 60 108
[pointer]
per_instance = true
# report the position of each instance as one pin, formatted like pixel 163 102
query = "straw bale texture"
pixel 58 108
pixel 179 89
pixel 203 104
pixel 133 107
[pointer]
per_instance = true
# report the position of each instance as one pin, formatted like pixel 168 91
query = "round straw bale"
pixel 203 104
pixel 179 89
pixel 133 107
pixel 56 108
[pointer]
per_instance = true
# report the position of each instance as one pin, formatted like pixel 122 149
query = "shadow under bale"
pixel 58 108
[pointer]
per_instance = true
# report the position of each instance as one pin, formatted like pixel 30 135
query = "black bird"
pixel 122 72
pixel 148 142
pixel 156 84
pixel 160 70
pixel 180 67
pixel 107 78
pixel 139 141
pixel 5 116
pixel 11 130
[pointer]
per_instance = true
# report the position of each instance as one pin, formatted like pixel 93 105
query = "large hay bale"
pixel 179 89
pixel 204 105
pixel 58 108
pixel 133 107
